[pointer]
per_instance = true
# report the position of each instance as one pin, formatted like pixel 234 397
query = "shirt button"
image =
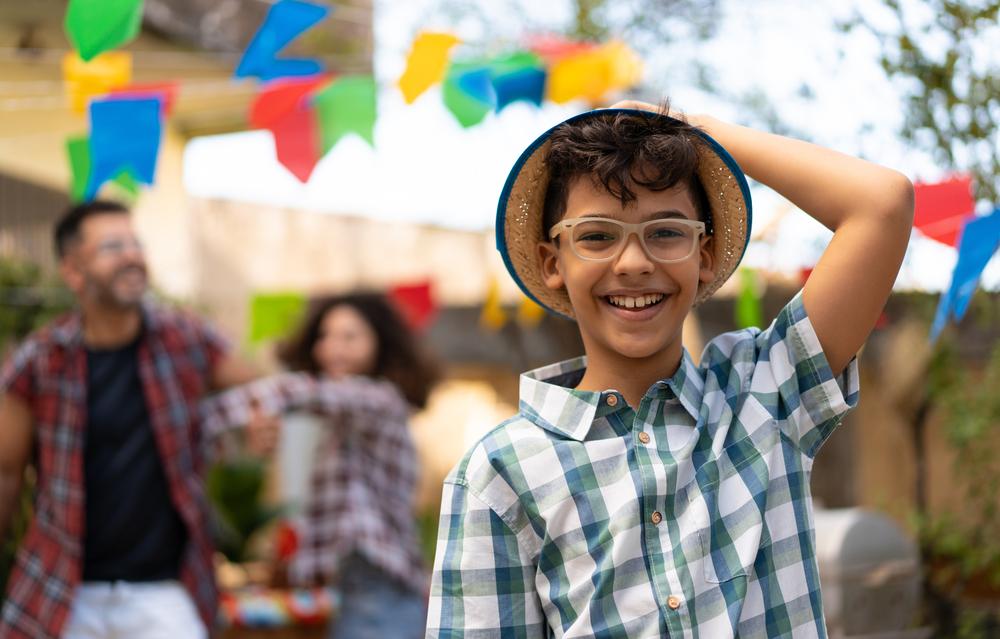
pixel 644 437
pixel 612 400
pixel 656 517
pixel 673 602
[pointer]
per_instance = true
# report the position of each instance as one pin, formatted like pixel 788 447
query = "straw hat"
pixel 519 213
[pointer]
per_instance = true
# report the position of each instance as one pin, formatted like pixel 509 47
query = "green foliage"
pixel 29 299
pixel 940 51
pixel 235 489
pixel 963 554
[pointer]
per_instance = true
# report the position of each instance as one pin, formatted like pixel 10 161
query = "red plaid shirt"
pixel 364 477
pixel 177 354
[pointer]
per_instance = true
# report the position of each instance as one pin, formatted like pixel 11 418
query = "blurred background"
pixel 247 216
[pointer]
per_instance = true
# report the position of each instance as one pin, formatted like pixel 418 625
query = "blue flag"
pixel 285 21
pixel 524 84
pixel 979 240
pixel 124 136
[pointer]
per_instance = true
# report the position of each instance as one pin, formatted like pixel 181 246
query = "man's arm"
pixel 15 450
pixel 231 370
pixel 483 584
pixel 868 207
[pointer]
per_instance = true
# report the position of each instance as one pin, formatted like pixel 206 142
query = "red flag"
pixel 416 303
pixel 166 91
pixel 282 108
pixel 940 209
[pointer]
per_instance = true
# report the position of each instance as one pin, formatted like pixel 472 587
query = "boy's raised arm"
pixel 868 207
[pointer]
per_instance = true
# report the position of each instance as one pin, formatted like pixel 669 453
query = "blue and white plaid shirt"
pixel 689 516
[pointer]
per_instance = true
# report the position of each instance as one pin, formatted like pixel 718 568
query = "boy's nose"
pixel 633 257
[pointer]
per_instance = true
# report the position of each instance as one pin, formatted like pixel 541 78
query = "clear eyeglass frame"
pixel 637 229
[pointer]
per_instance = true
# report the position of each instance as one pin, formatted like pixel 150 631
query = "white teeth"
pixel 625 301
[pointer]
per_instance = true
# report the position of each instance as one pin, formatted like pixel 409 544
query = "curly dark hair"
pixel 399 357
pixel 618 151
pixel 67 229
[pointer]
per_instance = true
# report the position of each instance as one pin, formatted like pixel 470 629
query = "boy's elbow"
pixel 897 206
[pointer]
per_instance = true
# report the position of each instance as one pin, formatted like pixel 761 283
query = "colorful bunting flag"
pixel 85 80
pixel 467 93
pixel 426 64
pixel 78 154
pixel 980 239
pixel 282 107
pixel 748 308
pixel 95 26
pixel 165 91
pixel 591 74
pixel 941 208
pixel 529 314
pixel 346 105
pixel 492 317
pixel 416 303
pixel 124 136
pixel 274 315
pixel 285 21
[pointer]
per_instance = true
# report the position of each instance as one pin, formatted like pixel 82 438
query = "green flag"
pixel 467 92
pixel 274 315
pixel 95 26
pixel 748 309
pixel 78 153
pixel 346 105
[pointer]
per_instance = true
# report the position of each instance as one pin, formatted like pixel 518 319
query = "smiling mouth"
pixel 634 303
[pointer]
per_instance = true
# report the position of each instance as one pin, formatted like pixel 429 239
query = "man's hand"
pixel 262 432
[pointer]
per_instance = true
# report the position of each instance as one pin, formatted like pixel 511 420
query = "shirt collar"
pixel 548 399
pixel 69 331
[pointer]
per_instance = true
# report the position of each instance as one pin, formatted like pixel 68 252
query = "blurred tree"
pixel 943 52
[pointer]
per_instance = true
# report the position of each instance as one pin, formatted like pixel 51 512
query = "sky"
pixel 426 168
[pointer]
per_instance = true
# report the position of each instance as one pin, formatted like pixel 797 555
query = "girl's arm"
pixel 868 207
pixel 272 395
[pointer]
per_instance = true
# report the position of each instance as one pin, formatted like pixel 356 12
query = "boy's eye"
pixel 595 236
pixel 664 234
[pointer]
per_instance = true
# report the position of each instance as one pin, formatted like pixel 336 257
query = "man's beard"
pixel 107 293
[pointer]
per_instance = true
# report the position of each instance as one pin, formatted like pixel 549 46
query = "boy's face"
pixel 600 291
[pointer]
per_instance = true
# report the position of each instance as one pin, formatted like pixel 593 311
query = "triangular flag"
pixel 940 209
pixel 529 314
pixel 591 74
pixel 78 154
pixel 274 315
pixel 285 21
pixel 426 64
pixel 124 135
pixel 980 239
pixel 748 308
pixel 492 316
pixel 85 80
pixel 416 303
pixel 467 93
pixel 282 108
pixel 95 26
pixel 518 76
pixel 279 97
pixel 165 91
pixel 347 105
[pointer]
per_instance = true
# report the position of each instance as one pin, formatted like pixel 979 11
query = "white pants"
pixel 155 610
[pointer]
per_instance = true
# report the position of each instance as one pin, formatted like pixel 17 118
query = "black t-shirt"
pixel 133 531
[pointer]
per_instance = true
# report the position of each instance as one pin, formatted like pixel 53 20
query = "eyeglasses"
pixel 600 239
pixel 118 246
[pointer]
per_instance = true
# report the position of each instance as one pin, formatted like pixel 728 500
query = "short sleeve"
pixel 794 379
pixel 483 583
pixel 16 376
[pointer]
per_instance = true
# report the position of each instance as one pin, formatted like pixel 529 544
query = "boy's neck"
pixel 631 377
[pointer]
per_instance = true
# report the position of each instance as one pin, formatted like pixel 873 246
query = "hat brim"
pixel 519 214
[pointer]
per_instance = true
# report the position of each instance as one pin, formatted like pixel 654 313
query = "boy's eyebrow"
pixel 653 215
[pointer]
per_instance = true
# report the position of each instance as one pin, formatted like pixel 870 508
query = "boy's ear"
pixel 548 254
pixel 706 253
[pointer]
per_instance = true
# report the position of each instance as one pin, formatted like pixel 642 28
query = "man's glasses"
pixel 600 239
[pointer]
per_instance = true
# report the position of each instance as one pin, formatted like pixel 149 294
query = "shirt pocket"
pixel 730 500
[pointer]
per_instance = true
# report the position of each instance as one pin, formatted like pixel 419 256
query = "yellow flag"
pixel 426 63
pixel 529 314
pixel 493 316
pixel 84 80
pixel 592 73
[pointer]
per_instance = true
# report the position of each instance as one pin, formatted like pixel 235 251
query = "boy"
pixel 636 494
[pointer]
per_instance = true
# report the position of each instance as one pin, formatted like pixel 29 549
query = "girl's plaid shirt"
pixel 364 476
pixel 690 516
